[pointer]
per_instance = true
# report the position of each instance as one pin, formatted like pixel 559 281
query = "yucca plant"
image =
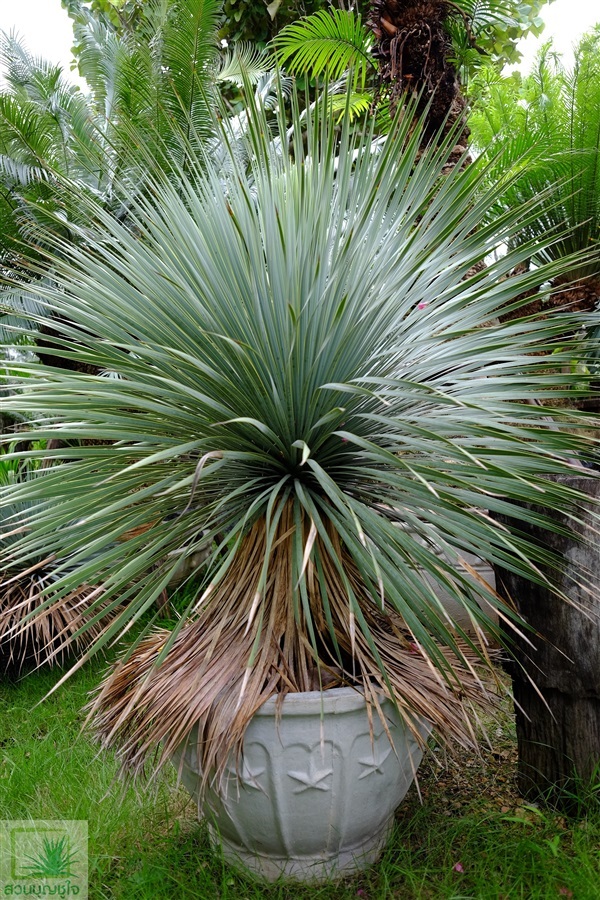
pixel 313 380
pixel 54 635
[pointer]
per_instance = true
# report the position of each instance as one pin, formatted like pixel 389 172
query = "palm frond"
pixel 244 64
pixel 354 106
pixel 19 313
pixel 25 73
pixel 552 122
pixel 485 13
pixel 327 44
pixel 188 54
pixel 20 173
pixel 26 130
pixel 47 131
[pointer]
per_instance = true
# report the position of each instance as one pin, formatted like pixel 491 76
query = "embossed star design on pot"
pixel 247 775
pixel 374 762
pixel 316 776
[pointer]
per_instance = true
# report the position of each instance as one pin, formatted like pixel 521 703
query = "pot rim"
pixel 302 703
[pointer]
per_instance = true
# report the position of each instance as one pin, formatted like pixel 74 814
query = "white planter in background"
pixel 458 613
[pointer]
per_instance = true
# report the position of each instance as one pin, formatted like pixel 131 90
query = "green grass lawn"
pixel 471 838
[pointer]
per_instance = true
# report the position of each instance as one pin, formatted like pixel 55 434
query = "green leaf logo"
pixel 54 861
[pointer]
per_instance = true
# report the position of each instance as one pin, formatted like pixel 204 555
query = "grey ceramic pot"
pixel 315 792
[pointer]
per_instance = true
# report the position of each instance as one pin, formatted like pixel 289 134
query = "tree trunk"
pixel 7 425
pixel 414 51
pixel 558 729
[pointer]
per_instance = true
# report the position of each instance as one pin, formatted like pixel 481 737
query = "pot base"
pixel 310 868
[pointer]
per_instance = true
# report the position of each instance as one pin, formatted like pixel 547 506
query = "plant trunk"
pixel 558 719
pixel 414 51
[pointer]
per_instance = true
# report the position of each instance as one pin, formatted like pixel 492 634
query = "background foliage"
pixel 497 24
pixel 544 129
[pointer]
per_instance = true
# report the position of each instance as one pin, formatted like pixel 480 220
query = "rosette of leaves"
pixel 312 380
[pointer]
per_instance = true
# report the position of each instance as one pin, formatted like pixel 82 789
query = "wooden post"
pixel 558 729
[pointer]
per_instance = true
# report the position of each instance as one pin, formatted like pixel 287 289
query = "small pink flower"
pixel 361 893
pixel 423 305
pixel 458 867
